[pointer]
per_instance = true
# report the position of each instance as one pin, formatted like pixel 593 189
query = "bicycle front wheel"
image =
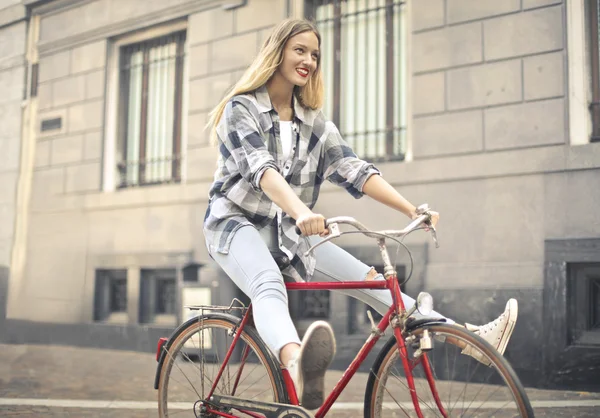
pixel 195 357
pixel 457 385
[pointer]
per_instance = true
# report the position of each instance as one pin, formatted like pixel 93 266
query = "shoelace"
pixel 484 329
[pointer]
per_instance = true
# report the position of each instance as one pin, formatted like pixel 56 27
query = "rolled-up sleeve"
pixel 342 166
pixel 241 138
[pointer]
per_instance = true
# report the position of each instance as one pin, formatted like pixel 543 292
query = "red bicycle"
pixel 216 365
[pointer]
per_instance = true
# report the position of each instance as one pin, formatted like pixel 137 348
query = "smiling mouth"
pixel 302 71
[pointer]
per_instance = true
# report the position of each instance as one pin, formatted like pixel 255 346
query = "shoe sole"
pixel 513 310
pixel 317 355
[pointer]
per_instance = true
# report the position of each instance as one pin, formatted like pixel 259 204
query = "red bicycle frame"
pixel 391 283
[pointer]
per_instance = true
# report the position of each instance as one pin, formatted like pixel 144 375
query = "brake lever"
pixel 434 236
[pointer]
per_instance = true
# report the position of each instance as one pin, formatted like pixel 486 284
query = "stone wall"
pixel 13 36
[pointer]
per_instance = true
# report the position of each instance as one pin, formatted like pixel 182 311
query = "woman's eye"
pixel 299 50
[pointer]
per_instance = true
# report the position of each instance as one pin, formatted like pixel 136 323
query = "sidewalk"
pixel 80 374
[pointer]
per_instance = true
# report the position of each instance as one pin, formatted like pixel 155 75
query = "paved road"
pixel 55 381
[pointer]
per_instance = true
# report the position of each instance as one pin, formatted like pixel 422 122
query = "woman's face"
pixel 300 57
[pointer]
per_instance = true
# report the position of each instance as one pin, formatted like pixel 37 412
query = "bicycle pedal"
pixel 269 409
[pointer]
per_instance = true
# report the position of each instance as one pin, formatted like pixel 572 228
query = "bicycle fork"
pixel 408 369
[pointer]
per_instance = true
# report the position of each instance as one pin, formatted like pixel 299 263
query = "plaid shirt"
pixel 249 144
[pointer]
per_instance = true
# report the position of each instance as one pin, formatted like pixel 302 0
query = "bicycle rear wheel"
pixel 462 386
pixel 195 356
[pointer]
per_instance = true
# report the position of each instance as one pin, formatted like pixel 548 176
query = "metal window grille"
pixel 315 304
pixel 364 67
pixel 151 78
pixel 594 304
pixel 594 11
pixel 583 303
pixel 110 295
pixel 158 294
pixel 118 295
pixel 165 296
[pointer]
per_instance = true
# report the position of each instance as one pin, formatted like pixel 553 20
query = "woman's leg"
pixel 251 267
pixel 335 264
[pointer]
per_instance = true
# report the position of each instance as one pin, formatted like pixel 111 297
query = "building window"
pixel 158 298
pixel 364 65
pixel 150 111
pixel 315 304
pixel 583 294
pixel 594 32
pixel 110 296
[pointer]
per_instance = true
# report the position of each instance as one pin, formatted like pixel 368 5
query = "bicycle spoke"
pixel 466 387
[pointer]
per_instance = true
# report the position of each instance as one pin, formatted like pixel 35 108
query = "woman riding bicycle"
pixel 276 149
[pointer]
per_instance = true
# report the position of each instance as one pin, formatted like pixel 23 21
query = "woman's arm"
pixel 280 193
pixel 380 190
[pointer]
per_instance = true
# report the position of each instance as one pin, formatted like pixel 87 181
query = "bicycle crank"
pixel 269 409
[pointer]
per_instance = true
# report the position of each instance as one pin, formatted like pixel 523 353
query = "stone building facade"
pixel 101 247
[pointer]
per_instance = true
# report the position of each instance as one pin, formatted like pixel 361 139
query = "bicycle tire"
pixel 378 381
pixel 186 333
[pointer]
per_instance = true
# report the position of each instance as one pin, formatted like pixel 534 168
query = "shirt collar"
pixel 264 105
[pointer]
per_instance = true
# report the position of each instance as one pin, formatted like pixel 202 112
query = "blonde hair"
pixel 264 66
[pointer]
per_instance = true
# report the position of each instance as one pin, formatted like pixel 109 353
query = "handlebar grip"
pixel 325 223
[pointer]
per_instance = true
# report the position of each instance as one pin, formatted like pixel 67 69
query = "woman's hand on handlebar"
pixel 312 224
pixel 434 218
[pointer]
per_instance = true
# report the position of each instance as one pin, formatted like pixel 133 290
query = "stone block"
pixel 429 93
pixel 88 57
pixel 44 95
pixel 64 259
pixel 452 133
pixel 10 151
pixel 86 17
pixel 525 125
pixel 92 146
pixel 83 178
pixel 233 53
pixel 8 186
pixel 447 47
pixel 530 4
pixel 206 92
pixel 54 66
pixel 201 163
pixel 10 120
pixel 67 150
pixel 210 24
pixel 569 197
pixel 12 84
pixel 197 134
pixel 85 116
pixel 544 76
pixel 259 14
pixel 42 153
pixel 463 10
pixel 198 57
pixel 95 84
pixel 7 226
pixel 68 90
pixel 484 85
pixel 523 33
pixel 13 40
pixel 427 14
pixel 5 251
pixel 47 183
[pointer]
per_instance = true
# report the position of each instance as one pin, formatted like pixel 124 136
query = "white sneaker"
pixel 497 332
pixel 308 368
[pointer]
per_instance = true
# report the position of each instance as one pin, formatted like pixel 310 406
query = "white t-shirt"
pixel 286 136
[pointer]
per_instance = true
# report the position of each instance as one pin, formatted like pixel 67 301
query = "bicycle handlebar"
pixel 424 217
